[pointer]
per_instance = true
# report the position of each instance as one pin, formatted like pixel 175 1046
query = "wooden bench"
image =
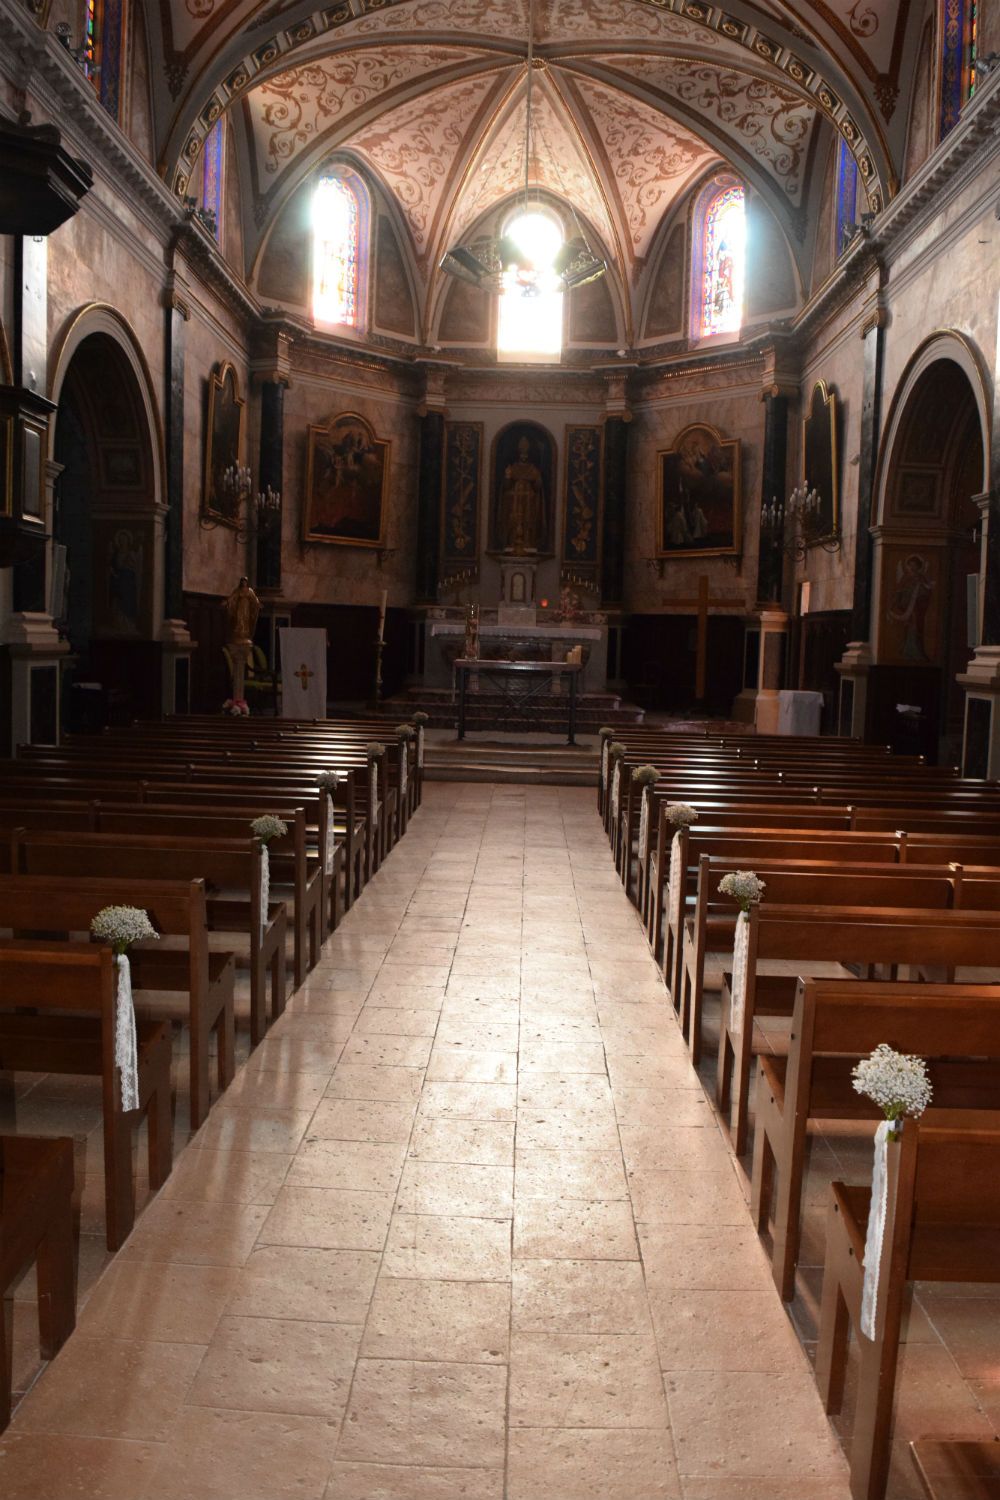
pixel 48 979
pixel 835 1023
pixel 810 934
pixel 231 869
pixel 36 1225
pixel 957 1470
pixel 942 1223
pixel 33 903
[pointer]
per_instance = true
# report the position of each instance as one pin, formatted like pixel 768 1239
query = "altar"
pixel 444 643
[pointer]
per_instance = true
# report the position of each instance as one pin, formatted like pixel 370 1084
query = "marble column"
pixel 429 481
pixel 773 485
pixel 613 524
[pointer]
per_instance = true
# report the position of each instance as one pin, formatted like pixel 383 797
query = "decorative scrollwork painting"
pixel 347 477
pixel 582 510
pixel 463 467
pixel 699 499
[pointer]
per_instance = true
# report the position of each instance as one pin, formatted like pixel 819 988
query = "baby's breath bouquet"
pixel 268 827
pixel 328 781
pixel 405 731
pixel 121 926
pixel 681 814
pixel 896 1081
pixel 374 748
pixel 420 717
pixel 744 886
pixel 616 749
pixel 645 775
pixel 606 733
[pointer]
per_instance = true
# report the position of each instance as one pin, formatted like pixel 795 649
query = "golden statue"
pixel 522 504
pixel 242 612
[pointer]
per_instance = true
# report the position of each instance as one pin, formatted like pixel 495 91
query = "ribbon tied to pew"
pixel 328 782
pixel 121 926
pixel 899 1084
pixel 747 890
pixel 420 720
pixel 373 751
pixel 266 828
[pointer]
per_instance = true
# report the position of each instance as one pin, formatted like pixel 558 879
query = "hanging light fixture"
pixel 487 262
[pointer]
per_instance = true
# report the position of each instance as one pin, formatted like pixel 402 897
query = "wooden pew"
pixel 828 882
pixel 51 903
pixel 36 1225
pixel 226 865
pixel 859 935
pixel 835 1023
pixel 942 1224
pixel 81 978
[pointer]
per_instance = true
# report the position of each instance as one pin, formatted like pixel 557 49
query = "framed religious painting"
pixel 821 471
pixel 698 495
pixel 221 498
pixel 347 476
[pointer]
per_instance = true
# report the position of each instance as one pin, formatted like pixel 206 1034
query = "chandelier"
pixel 489 262
pixel 804 509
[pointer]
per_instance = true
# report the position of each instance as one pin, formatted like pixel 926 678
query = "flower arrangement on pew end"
pixel 328 781
pixel 897 1082
pixel 420 717
pixel 645 775
pixel 236 708
pixel 745 888
pixel 681 814
pixel 374 748
pixel 606 732
pixel 121 926
pixel 405 731
pixel 616 749
pixel 268 827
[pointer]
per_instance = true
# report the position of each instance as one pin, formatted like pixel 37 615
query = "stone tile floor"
pixel 465 1226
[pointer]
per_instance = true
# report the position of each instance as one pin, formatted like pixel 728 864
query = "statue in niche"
pixel 242 612
pixel 522 504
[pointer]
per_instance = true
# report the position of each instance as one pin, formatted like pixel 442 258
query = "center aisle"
pixel 491 1243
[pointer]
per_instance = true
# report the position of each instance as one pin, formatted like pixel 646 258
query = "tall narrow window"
pixel 92 40
pixel 213 168
pixel 720 260
pixel 959 43
pixel 847 193
pixel 336 252
pixel 103 47
pixel 530 322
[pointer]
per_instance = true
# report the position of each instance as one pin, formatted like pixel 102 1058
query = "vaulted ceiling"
pixel 632 101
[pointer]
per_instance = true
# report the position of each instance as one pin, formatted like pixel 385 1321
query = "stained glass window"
pixel 723 262
pixel 212 174
pixel 959 42
pixel 847 194
pixel 336 252
pixel 91 40
pixel 530 322
pixel 103 48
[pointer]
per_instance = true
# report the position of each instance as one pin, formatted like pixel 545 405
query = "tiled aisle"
pixel 464 1227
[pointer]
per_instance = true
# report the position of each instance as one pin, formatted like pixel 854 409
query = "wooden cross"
pixel 701 603
pixel 304 674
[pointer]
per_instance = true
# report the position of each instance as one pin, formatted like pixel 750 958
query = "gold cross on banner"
pixel 304 674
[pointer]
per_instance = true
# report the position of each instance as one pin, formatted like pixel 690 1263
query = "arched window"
pixel 530 320
pixel 103 46
pixel 847 195
pixel 719 260
pixel 959 43
pixel 340 235
pixel 213 167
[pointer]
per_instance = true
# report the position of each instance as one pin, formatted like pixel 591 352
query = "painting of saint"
pixel 909 605
pixel 699 495
pixel 523 475
pixel 348 470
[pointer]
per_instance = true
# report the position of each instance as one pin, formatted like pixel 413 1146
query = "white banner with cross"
pixel 303 674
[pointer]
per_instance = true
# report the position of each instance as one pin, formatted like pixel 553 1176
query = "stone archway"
pixel 933 465
pixel 107 510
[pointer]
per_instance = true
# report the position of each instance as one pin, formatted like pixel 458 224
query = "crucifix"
pixel 304 674
pixel 701 604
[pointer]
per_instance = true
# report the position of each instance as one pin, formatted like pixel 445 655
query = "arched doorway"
pixel 107 516
pixel 927 543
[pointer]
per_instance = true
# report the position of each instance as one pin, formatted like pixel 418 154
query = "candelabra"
pixel 804 510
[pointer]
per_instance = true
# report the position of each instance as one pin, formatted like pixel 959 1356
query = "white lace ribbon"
pixel 404 770
pixel 604 762
pixel 616 777
pixel 126 1049
pixel 675 884
pixel 738 998
pixel 373 791
pixel 330 837
pixel 876 1229
pixel 420 747
pixel 265 889
pixel 643 824
pixel 652 867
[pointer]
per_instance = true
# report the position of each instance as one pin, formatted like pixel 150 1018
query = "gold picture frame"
pixel 820 461
pixel 699 495
pixel 347 483
pixel 224 430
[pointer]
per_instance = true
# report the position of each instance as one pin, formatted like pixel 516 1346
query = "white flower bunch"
pixel 405 731
pixel 896 1081
pixel 606 733
pixel 616 749
pixel 645 775
pixel 744 886
pixel 373 748
pixel 121 926
pixel 681 814
pixel 420 717
pixel 268 827
pixel 328 781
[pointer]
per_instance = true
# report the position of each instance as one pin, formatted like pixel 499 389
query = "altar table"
pixel 513 681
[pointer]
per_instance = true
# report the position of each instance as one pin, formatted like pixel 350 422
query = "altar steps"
pixel 531 763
